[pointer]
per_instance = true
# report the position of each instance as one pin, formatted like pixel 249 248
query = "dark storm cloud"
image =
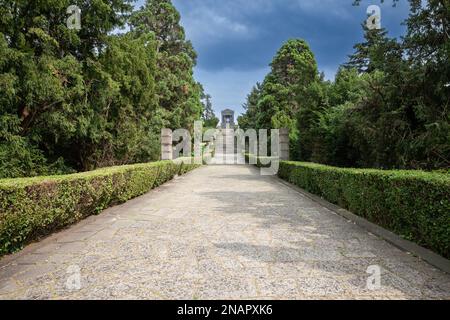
pixel 244 35
pixel 236 39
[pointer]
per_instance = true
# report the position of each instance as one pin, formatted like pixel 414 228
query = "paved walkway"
pixel 220 232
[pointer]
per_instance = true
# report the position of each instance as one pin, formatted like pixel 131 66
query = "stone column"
pixel 166 144
pixel 284 144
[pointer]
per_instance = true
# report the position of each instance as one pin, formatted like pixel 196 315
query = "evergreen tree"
pixel 248 119
pixel 364 59
pixel 426 83
pixel 43 72
pixel 178 93
pixel 209 118
pixel 277 101
pixel 78 100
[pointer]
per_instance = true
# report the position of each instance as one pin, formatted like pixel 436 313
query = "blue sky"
pixel 237 39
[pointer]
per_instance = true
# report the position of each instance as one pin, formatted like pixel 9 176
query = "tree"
pixel 368 56
pixel 407 105
pixel 178 93
pixel 209 118
pixel 248 119
pixel 78 100
pixel 427 79
pixel 124 108
pixel 276 102
pixel 387 108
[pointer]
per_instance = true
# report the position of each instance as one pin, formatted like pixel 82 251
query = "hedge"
pixel 34 207
pixel 412 204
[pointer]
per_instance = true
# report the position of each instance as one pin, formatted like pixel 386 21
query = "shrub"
pixel 34 207
pixel 413 204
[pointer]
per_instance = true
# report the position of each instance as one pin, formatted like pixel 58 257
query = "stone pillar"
pixel 166 144
pixel 284 144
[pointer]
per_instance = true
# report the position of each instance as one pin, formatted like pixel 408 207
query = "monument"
pixel 228 119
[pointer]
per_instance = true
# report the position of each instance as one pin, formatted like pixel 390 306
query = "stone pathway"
pixel 220 232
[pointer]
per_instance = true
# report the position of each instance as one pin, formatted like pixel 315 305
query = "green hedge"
pixel 412 204
pixel 34 207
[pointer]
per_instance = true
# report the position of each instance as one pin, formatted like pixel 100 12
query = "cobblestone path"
pixel 220 232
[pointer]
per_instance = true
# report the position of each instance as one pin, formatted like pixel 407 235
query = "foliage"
pixel 72 101
pixel 248 119
pixel 413 204
pixel 34 207
pixel 209 118
pixel 275 103
pixel 177 92
pixel 388 106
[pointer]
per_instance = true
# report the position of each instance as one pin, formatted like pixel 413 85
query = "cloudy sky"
pixel 236 39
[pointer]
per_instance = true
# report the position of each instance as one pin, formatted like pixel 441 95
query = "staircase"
pixel 226 149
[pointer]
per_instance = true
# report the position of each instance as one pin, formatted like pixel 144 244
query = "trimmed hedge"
pixel 412 204
pixel 34 207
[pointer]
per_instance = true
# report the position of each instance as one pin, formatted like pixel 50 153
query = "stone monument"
pixel 228 119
